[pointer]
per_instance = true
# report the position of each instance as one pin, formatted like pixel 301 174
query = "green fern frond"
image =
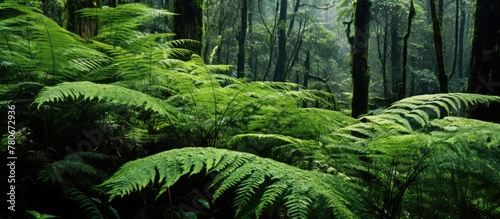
pixel 418 111
pixel 297 189
pixel 107 93
pixel 57 171
pixel 85 203
pixel 118 25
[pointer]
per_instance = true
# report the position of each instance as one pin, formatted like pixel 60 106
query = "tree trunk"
pixel 406 37
pixel 395 52
pixel 252 63
pixel 484 75
pixel 292 20
pixel 240 71
pixel 188 23
pixel 461 43
pixel 359 52
pixel 307 66
pixel 455 54
pixel 438 46
pixel 279 72
pixel 383 57
pixel 86 27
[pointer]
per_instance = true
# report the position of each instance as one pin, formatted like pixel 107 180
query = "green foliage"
pixel 302 192
pixel 140 94
pixel 107 93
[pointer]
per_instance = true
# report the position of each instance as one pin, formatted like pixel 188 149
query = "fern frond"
pixel 107 93
pixel 85 202
pixel 424 108
pixel 297 189
pixel 57 171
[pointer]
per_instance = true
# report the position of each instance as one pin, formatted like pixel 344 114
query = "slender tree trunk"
pixel 461 43
pixel 406 37
pixel 240 71
pixel 359 52
pixel 438 46
pixel 395 52
pixel 292 20
pixel 251 60
pixel 382 54
pixel 455 54
pixel 484 75
pixel 188 23
pixel 279 72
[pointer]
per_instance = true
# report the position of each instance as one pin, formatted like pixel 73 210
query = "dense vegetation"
pixel 117 117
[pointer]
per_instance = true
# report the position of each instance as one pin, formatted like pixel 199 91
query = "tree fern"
pixel 297 189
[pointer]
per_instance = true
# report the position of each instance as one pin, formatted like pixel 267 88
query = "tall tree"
pixel 359 53
pixel 461 42
pixel 395 51
pixel 438 47
pixel 188 23
pixel 279 72
pixel 484 75
pixel 382 54
pixel 406 37
pixel 242 36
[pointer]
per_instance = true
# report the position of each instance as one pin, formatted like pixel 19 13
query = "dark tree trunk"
pixel 395 52
pixel 86 27
pixel 252 62
pixel 307 66
pixel 455 54
pixel 438 46
pixel 484 75
pixel 279 73
pixel 461 43
pixel 292 21
pixel 240 71
pixel 406 37
pixel 382 54
pixel 188 23
pixel 359 52
pixel 113 3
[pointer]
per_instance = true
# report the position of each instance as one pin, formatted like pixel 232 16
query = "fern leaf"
pixel 297 189
pixel 107 93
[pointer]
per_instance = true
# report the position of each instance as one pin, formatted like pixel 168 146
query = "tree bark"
pixel 484 75
pixel 279 72
pixel 395 52
pixel 461 43
pixel 406 37
pixel 86 27
pixel 359 52
pixel 438 46
pixel 240 71
pixel 188 23
pixel 383 57
pixel 455 54
pixel 292 20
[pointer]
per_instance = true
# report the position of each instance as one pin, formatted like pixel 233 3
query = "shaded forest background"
pixel 252 109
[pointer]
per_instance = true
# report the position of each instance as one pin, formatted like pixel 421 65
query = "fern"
pixel 108 93
pixel 297 189
pixel 86 203
pixel 424 108
pixel 120 24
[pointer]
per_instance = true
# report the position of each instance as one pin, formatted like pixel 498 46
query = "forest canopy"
pixel 250 109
